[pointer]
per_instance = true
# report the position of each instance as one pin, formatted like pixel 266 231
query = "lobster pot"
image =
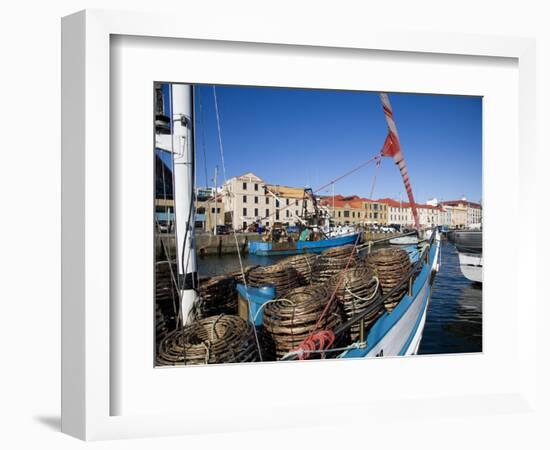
pixel 161 329
pixel 283 277
pixel 334 261
pixel 214 340
pixel 242 276
pixel 391 265
pixel 304 265
pixel 358 291
pixel 290 320
pixel 167 301
pixel 217 295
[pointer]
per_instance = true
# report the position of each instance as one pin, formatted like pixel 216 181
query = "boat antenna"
pixel 392 148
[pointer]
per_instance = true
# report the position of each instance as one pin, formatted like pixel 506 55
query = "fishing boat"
pixel 262 248
pixel 469 245
pixel 391 324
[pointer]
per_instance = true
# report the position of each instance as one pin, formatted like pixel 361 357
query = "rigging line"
pixel 340 280
pixel 377 166
pixel 201 112
pixel 220 143
pixel 164 246
pixel 355 169
pixel 349 172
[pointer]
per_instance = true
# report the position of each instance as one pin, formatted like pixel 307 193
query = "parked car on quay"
pixel 222 229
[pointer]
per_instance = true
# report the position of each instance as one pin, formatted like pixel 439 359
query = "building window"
pixel 375 206
pixel 296 212
pixel 277 214
pixel 376 215
pixel 244 212
pixel 244 198
pixel 346 213
pixel 256 212
pixel 277 203
pixel 255 186
pixel 267 212
pixel 296 202
pixel 339 213
pixel 359 215
pixel 245 225
pixel 287 202
pixel 244 186
pixel 267 200
pixel 255 199
pixel 213 210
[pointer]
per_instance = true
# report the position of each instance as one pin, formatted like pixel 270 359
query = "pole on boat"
pixel 392 148
pixel 184 160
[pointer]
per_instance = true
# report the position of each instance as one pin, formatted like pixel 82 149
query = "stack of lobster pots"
pixel 391 265
pixel 282 276
pixel 242 276
pixel 166 297
pixel 288 321
pixel 358 291
pixel 217 295
pixel 333 261
pixel 304 265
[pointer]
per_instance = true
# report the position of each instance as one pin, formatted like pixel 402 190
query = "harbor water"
pixel 454 319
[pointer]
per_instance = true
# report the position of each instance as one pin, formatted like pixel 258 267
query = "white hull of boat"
pixel 471 266
pixel 403 336
pixel 398 339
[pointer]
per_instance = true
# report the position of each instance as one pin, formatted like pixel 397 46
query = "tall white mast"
pixel 184 159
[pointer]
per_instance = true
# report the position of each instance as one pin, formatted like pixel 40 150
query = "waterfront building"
pixel 399 212
pixel 354 210
pixel 209 212
pixel 248 199
pixel 465 214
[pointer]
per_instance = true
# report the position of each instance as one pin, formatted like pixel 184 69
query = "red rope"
pixel 320 340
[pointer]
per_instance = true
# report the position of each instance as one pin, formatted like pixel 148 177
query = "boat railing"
pixel 424 258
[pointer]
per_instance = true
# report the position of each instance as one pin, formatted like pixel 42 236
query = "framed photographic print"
pixel 252 219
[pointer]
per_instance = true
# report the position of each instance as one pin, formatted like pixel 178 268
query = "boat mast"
pixel 184 161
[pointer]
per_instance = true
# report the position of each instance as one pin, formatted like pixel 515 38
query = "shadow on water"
pixel 454 320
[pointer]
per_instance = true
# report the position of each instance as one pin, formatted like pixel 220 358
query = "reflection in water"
pixel 454 320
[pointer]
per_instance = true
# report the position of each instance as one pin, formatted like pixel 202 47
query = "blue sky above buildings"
pixel 302 137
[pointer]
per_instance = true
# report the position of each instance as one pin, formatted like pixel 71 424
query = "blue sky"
pixel 302 137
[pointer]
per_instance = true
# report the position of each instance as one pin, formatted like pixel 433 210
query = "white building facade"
pixel 249 199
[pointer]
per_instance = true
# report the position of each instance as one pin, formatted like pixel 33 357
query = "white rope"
pixel 220 143
pixel 275 300
pixel 361 298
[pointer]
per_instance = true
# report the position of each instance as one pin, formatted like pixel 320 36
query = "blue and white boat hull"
pixel 400 332
pixel 293 248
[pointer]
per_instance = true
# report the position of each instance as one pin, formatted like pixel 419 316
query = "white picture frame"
pixel 88 387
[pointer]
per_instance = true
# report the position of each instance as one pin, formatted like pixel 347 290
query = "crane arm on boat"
pixel 392 148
